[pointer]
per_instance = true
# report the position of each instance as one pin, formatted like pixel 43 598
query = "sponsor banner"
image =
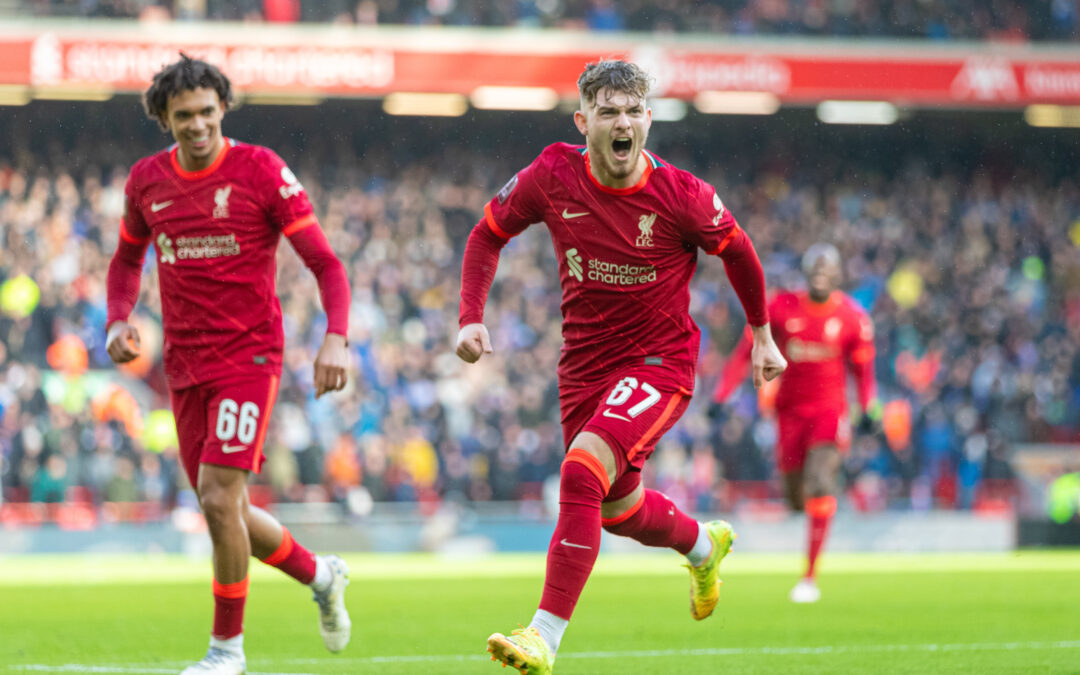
pixel 296 63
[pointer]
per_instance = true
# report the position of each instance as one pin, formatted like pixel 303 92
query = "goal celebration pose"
pixel 627 227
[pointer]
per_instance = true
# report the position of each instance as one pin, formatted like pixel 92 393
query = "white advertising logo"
pixel 986 79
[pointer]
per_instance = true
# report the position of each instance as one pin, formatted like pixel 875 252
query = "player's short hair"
pixel 617 75
pixel 184 75
pixel 816 252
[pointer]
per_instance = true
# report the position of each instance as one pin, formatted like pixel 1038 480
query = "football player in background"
pixel 824 334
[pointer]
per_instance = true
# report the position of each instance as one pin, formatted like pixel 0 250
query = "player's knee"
pixel 595 446
pixel 820 484
pixel 219 506
pixel 582 480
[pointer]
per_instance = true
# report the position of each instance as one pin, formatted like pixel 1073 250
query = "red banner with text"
pixel 915 76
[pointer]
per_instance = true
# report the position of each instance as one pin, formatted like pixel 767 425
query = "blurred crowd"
pixel 970 268
pixel 1011 20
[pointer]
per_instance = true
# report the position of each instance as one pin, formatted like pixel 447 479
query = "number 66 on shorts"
pixel 224 422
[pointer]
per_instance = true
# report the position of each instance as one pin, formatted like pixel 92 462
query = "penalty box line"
pixel 824 650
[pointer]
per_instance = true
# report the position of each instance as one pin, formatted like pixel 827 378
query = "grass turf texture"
pixel 1001 613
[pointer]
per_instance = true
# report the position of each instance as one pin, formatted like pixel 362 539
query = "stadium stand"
pixel 1003 20
pixel 960 253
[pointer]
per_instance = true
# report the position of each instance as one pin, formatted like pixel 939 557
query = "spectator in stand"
pixel 972 279
pixel 1007 20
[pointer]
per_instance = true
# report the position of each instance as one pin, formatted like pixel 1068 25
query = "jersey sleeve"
pixel 133 227
pixel 707 223
pixel 125 268
pixel 284 199
pixel 860 357
pixel 518 204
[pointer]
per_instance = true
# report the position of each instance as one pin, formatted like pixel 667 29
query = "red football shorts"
pixel 224 422
pixel 801 430
pixel 630 411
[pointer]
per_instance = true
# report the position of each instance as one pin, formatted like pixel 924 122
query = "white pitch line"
pixel 633 654
pixel 84 668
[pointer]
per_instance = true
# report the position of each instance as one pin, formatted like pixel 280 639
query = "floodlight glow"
pixel 14 94
pixel 667 109
pixel 514 98
pixel 737 102
pixel 62 93
pixel 425 104
pixel 1052 115
pixel 857 112
pixel 282 99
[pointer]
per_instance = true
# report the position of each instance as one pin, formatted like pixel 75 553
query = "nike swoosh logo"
pixel 155 207
pixel 569 216
pixel 608 413
pixel 229 449
pixel 566 543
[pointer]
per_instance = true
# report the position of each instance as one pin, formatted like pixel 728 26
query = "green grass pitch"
pixel 1000 613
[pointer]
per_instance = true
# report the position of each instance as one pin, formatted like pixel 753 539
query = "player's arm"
pixel 709 225
pixel 332 360
pixel 508 214
pixel 735 368
pixel 860 363
pixel 477 273
pixel 744 271
pixel 122 282
pixel 289 209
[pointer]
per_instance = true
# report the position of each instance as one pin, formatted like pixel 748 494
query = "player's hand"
pixel 473 342
pixel 765 356
pixel 869 423
pixel 122 342
pixel 330 364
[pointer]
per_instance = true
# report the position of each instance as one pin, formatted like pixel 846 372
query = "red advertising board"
pixel 373 64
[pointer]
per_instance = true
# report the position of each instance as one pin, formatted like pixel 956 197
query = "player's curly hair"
pixel 184 75
pixel 617 75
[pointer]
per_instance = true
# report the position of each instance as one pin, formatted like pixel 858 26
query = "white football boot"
pixel 334 623
pixel 218 662
pixel 805 592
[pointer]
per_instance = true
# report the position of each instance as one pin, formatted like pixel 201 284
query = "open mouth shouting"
pixel 621 147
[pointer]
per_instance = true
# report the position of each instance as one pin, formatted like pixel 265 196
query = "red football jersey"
pixel 626 257
pixel 821 342
pixel 216 233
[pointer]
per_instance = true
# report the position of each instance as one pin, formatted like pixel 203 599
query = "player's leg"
pixel 641 407
pixel 221 496
pixel 791 455
pixel 239 413
pixel 650 517
pixel 585 478
pixel 793 489
pixel 272 543
pixel 820 484
pixel 226 654
pixel 795 434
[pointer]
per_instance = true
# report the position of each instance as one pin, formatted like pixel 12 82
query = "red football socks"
pixel 656 521
pixel 229 609
pixel 820 511
pixel 293 559
pixel 576 541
